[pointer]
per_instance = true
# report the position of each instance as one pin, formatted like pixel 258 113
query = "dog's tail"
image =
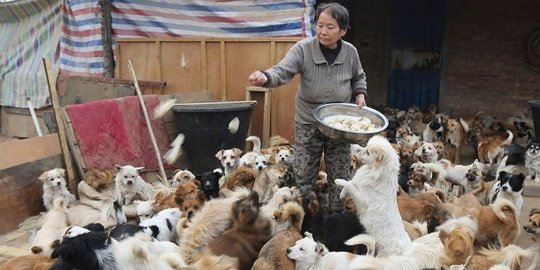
pixel 119 213
pixel 503 167
pixel 505 210
pixel 511 256
pixel 256 143
pixel 509 139
pixel 292 212
pixel 464 125
pixel 363 239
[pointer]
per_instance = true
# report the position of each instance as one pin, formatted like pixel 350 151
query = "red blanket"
pixel 113 131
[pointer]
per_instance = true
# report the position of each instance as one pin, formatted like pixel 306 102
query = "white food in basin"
pixel 350 123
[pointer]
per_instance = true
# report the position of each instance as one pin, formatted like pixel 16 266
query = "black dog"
pixel 210 184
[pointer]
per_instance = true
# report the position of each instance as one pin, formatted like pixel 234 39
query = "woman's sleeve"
pixel 285 70
pixel 358 81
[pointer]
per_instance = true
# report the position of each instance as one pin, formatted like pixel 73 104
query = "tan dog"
pixel 98 178
pixel 248 234
pixel 181 176
pixel 208 223
pixel 48 237
pixel 455 138
pixel 491 147
pixel 534 224
pixel 458 245
pixel 211 262
pixel 273 254
pixel 497 220
pixel 272 175
pixel 412 209
pixel 28 262
pixel 244 176
pixel 230 159
pixel 190 190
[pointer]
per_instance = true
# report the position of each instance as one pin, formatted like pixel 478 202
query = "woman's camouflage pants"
pixel 308 146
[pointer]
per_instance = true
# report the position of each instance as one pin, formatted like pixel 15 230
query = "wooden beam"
pixel 51 81
pixel 223 69
pixel 23 151
pixel 204 83
pixel 106 34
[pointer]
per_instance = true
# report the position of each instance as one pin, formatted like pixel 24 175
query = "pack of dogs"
pixel 411 203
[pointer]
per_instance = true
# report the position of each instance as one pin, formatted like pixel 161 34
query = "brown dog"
pixel 534 224
pixel 273 174
pixel 244 176
pixel 189 190
pixel 273 254
pixel 98 178
pixel 458 245
pixel 455 138
pixel 497 220
pixel 491 146
pixel 28 262
pixel 414 209
pixel 249 232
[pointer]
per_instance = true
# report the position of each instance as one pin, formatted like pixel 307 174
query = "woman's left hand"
pixel 360 100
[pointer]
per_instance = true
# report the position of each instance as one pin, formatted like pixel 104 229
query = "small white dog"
pixel 427 152
pixel 48 237
pixel 310 255
pixel 230 159
pixel 130 186
pixel 54 185
pixel 162 226
pixel 181 176
pixel 378 211
pixel 145 209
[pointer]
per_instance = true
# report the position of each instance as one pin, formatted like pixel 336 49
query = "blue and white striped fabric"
pixel 81 43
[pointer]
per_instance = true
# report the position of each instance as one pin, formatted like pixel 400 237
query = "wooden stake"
pixel 51 81
pixel 148 124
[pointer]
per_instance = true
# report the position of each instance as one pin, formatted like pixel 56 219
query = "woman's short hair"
pixel 339 12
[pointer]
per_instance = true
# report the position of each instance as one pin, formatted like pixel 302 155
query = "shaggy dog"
pixel 210 222
pixel 28 262
pixel 230 159
pixel 249 232
pixel 244 176
pixel 48 237
pixel 455 138
pixel 427 152
pixel 140 253
pixel 498 220
pixel 130 186
pixel 85 250
pixel 145 210
pixel 211 262
pixel 272 175
pixel 273 253
pixel 99 179
pixel 379 212
pixel 54 185
pixel 532 161
pixel 491 147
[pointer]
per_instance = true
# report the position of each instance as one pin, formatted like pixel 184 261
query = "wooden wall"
pixel 219 66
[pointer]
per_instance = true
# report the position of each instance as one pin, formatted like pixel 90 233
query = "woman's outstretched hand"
pixel 257 78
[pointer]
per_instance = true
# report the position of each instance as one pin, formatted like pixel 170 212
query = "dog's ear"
pixel 61 171
pixel 320 250
pixel 43 176
pixel 378 153
pixel 55 243
pixel 219 154
pixel 443 235
pixel 118 167
pixel 139 169
pixel 176 171
pixel 277 215
pixel 308 235
pixel 237 151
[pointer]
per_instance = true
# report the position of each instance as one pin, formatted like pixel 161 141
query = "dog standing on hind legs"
pixel 54 185
pixel 378 177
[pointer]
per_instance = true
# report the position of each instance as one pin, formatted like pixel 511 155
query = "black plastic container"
pixel 535 106
pixel 206 129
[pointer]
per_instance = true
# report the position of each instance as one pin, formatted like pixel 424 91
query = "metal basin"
pixel 378 119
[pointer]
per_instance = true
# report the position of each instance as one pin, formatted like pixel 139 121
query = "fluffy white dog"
pixel 374 189
pixel 130 186
pixel 54 185
pixel 48 237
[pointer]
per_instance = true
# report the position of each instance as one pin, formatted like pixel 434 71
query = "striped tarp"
pixel 71 31
pixel 29 32
pixel 81 44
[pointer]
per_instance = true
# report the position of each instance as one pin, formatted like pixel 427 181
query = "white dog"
pixel 130 186
pixel 310 255
pixel 145 209
pixel 48 237
pixel 181 176
pixel 427 152
pixel 230 159
pixel 374 190
pixel 54 185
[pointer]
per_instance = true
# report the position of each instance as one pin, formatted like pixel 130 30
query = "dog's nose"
pixel 58 184
pixel 410 183
pixel 288 250
pixel 129 182
pixel 504 188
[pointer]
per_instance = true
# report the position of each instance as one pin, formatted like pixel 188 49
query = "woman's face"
pixel 328 31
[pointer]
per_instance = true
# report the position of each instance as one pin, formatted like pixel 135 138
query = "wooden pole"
pixel 148 124
pixel 106 35
pixel 51 81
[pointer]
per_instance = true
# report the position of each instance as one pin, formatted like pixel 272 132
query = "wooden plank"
pixel 203 73
pixel 183 66
pixel 213 69
pixel 28 150
pixel 51 81
pixel 223 64
pixel 74 144
pixel 159 63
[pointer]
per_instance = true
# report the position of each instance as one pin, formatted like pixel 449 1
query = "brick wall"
pixel 484 62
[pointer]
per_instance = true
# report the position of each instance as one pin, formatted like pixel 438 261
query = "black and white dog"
pixel 532 161
pixel 509 186
pixel 83 249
